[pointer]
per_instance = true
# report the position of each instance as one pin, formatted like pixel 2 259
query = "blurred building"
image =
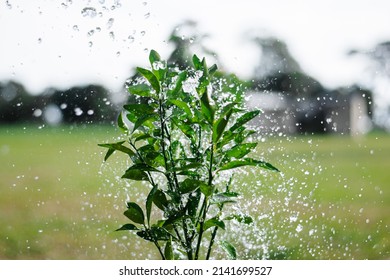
pixel 345 111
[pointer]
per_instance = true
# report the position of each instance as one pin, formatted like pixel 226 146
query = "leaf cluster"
pixel 188 131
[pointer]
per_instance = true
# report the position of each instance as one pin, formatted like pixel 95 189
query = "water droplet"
pixel 75 28
pixel 90 33
pixel 90 112
pixel 8 4
pixel 112 35
pixel 299 228
pixel 147 15
pixel 90 44
pixel 39 40
pixel 110 22
pixel 118 53
pixel 131 38
pixel 143 33
pixel 89 12
pixel 78 111
pixel 37 113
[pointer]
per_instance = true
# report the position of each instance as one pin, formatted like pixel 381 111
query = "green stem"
pixel 211 242
pixel 159 249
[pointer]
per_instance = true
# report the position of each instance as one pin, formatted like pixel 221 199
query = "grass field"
pixel 59 201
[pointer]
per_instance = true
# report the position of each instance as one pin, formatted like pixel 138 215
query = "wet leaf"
pixel 143 119
pixel 154 57
pixel 183 106
pixel 220 125
pixel 134 213
pixel 189 185
pixel 127 227
pixel 222 198
pixel 207 110
pixel 160 200
pixel 121 123
pixel 118 146
pixel 140 90
pixel 214 222
pixel 245 219
pixel 229 249
pixel 168 251
pixel 241 150
pixel 136 174
pixel 248 162
pixel 244 119
pixel 152 79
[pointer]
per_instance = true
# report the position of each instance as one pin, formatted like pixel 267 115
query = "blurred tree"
pixel 278 71
pixel 378 80
pixel 17 105
pixel 89 104
pixel 275 58
pixel 187 40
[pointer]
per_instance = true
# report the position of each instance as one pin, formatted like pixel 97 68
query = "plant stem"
pixel 211 242
pixel 159 249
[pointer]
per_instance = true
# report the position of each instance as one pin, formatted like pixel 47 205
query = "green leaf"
pixel 118 146
pixel 246 162
pixel 182 105
pixel 158 66
pixel 197 63
pixel 154 57
pixel 160 200
pixel 121 123
pixel 139 109
pixel 245 219
pixel 185 128
pixel 152 79
pixel 206 189
pixel 213 69
pixel 149 202
pixel 220 125
pixel 229 249
pixel 127 227
pixel 154 234
pixel 140 90
pixel 225 197
pixel 136 174
pixel 207 110
pixel 244 119
pixel 214 222
pixel 168 251
pixel 189 185
pixel 241 150
pixel 134 213
pixel 143 119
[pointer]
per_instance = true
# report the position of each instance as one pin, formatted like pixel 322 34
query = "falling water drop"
pixel 112 35
pixel 131 38
pixel 89 12
pixel 110 22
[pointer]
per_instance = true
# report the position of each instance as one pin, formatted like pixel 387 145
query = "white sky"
pixel 46 43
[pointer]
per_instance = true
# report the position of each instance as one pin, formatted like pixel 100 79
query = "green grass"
pixel 59 201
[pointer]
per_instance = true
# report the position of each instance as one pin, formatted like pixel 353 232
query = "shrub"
pixel 183 140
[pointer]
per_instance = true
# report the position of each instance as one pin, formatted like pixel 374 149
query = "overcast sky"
pixel 61 44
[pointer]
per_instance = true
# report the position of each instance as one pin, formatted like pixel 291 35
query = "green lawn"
pixel 59 201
